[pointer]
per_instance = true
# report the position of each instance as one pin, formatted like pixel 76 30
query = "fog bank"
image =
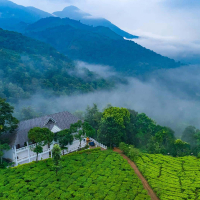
pixel 170 97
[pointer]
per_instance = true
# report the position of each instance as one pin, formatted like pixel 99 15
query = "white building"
pixel 21 149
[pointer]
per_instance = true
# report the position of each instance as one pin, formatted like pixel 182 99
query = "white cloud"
pixel 170 98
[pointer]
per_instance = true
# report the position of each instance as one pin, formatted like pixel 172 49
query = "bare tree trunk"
pixel 1 160
pixel 37 158
pixel 63 152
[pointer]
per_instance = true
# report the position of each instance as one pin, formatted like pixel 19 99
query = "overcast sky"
pixel 169 27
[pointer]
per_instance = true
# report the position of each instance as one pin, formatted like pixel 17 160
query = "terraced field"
pixel 171 178
pixel 95 175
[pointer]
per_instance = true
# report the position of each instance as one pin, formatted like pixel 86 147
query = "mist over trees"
pixel 28 66
pixel 122 125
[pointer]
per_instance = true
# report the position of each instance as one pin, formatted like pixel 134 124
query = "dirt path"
pixel 140 176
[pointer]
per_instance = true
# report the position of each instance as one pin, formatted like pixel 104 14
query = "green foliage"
pixel 124 147
pixel 8 123
pixel 171 178
pixel 93 116
pixel 182 148
pixel 3 147
pixel 38 149
pixel 90 174
pixel 64 137
pixel 121 116
pixel 87 44
pixel 130 151
pixel 56 155
pixel 27 113
pixel 40 136
pixel 28 66
pixel 198 155
pixel 79 114
pixel 113 124
pixel 82 129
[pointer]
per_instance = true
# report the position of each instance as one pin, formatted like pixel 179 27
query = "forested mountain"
pixel 73 12
pixel 16 17
pixel 12 16
pixel 98 45
pixel 28 66
pixel 52 22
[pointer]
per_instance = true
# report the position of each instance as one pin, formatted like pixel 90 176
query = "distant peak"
pixel 71 8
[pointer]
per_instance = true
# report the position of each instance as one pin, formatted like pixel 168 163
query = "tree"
pixel 83 129
pixel 93 117
pixel 182 148
pixel 189 135
pixel 79 114
pixel 56 155
pixel 64 137
pixel 145 127
pixel 79 136
pixel 130 129
pixel 113 124
pixel 41 137
pixel 2 148
pixel 28 113
pixel 8 123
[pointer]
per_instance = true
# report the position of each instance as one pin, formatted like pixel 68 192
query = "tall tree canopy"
pixel 93 117
pixel 8 123
pixel 41 137
pixel 189 135
pixel 113 124
pixel 64 137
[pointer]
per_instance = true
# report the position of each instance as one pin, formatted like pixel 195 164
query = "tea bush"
pixel 90 174
pixel 171 178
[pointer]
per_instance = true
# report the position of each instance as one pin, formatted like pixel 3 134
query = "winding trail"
pixel 151 193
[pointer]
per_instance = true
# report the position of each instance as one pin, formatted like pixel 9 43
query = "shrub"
pixel 133 153
pixel 124 147
pixel 198 155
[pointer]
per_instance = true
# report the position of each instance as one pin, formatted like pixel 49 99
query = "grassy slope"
pixel 95 175
pixel 171 178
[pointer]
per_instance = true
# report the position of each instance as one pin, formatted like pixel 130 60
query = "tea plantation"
pixel 171 178
pixel 91 175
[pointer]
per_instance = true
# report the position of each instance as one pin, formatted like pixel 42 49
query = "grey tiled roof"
pixel 63 120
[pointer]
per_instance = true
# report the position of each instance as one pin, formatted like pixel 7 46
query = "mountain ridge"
pixel 12 14
pixel 75 13
pixel 99 48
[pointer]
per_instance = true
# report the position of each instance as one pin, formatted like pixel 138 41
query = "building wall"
pixel 8 154
pixel 23 154
pixel 26 155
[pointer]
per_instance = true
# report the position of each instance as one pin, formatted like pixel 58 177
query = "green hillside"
pixel 98 46
pixel 93 175
pixel 28 66
pixel 172 178
pixel 52 22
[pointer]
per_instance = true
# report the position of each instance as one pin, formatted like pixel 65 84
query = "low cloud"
pixel 185 51
pixel 101 70
pixel 171 98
